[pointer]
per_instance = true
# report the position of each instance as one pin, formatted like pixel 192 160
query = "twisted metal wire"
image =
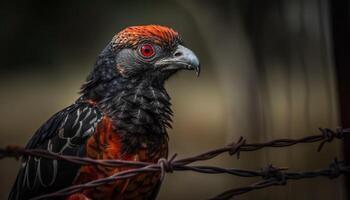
pixel 275 177
pixel 270 176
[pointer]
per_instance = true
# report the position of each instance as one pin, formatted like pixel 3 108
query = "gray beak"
pixel 183 58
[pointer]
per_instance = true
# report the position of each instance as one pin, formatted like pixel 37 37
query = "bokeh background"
pixel 268 71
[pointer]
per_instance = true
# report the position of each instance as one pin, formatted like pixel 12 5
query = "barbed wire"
pixel 270 176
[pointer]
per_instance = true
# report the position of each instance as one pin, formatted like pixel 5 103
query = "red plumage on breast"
pixel 105 143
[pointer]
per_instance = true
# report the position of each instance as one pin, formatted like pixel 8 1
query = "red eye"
pixel 146 50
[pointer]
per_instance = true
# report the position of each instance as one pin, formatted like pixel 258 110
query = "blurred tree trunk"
pixel 341 33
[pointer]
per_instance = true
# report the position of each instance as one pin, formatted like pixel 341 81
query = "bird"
pixel 123 112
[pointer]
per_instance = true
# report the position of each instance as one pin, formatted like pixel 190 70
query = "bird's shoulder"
pixel 75 122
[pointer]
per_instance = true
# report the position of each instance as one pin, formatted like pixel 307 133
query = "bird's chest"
pixel 106 144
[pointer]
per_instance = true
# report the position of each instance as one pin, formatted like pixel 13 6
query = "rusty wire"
pixel 270 176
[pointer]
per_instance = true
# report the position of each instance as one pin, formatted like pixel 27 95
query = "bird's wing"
pixel 65 133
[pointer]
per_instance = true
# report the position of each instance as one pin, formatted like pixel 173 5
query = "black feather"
pixel 39 176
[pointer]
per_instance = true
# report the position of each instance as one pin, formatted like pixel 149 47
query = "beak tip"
pixel 198 70
pixel 185 59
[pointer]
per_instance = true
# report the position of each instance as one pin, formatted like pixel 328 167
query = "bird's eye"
pixel 146 51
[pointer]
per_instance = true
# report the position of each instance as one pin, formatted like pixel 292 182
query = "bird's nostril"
pixel 177 54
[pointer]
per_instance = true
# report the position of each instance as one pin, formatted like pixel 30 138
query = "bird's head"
pixel 152 50
pixel 142 53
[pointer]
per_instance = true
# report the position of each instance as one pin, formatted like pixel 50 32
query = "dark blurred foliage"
pixel 38 33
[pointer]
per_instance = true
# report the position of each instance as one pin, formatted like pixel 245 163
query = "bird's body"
pixel 106 144
pixel 123 113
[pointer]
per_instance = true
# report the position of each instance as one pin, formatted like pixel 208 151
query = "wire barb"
pixel 166 166
pixel 335 169
pixel 329 135
pixel 236 147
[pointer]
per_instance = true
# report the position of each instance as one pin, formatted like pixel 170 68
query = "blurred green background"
pixel 267 72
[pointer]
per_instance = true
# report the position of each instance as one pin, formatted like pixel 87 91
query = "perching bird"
pixel 123 113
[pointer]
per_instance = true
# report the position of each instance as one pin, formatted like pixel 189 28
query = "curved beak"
pixel 182 58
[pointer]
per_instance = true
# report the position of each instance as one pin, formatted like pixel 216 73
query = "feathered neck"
pixel 139 109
